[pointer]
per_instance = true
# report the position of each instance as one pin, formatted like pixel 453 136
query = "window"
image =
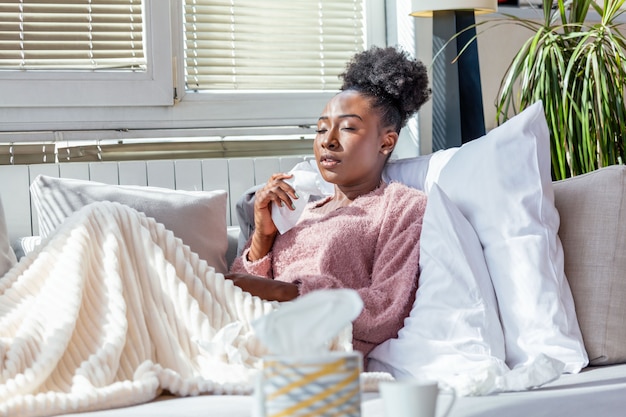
pixel 227 94
pixel 270 45
pixel 87 35
pixel 177 88
pixel 83 53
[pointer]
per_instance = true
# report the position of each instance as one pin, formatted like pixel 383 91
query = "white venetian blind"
pixel 71 35
pixel 270 45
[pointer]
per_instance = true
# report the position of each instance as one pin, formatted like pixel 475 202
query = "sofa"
pixel 577 318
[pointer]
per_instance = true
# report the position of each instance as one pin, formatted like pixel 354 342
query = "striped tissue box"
pixel 320 386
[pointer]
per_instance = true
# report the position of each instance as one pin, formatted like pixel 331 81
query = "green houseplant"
pixel 578 69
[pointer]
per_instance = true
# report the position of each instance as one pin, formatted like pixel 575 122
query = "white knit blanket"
pixel 111 311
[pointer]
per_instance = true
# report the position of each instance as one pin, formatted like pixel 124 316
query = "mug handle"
pixel 452 400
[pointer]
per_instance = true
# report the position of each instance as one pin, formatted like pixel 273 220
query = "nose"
pixel 329 140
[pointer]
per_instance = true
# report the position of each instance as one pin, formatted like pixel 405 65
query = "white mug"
pixel 412 398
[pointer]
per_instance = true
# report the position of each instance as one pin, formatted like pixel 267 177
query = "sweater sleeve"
pixel 261 267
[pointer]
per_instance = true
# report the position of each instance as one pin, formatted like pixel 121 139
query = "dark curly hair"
pixel 396 83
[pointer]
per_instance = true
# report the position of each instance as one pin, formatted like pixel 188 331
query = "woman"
pixel 365 236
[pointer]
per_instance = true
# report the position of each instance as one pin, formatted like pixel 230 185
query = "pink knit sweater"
pixel 371 246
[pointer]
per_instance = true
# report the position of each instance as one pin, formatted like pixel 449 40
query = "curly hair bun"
pixel 391 77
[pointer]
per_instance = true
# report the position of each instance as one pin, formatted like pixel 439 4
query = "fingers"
pixel 275 190
pixel 278 191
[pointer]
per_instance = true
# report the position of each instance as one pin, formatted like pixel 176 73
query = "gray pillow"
pixel 198 218
pixel 592 208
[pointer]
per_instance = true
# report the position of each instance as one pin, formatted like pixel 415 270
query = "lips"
pixel 328 161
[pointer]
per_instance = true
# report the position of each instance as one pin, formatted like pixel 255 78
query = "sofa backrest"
pixel 592 209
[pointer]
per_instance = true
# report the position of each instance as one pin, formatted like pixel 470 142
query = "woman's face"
pixel 351 145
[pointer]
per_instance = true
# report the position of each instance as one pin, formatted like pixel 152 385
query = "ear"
pixel 388 143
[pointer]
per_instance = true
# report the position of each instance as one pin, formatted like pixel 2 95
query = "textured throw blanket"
pixel 111 311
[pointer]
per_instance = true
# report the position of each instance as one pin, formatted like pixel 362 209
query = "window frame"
pixel 106 103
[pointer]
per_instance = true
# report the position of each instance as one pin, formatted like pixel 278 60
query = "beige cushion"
pixel 196 217
pixel 593 234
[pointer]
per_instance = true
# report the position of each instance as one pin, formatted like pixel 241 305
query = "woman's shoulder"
pixel 403 204
pixel 399 189
pixel 392 196
pixel 404 200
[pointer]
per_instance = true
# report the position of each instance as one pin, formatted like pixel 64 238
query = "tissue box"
pixel 316 386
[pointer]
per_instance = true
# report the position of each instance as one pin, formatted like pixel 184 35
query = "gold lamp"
pixel 458 115
pixel 425 8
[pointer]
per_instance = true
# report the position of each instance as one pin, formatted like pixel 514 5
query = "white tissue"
pixel 307 181
pixel 307 325
pixel 223 344
pixel 223 359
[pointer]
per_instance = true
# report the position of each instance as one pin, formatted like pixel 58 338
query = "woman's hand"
pixel 278 191
pixel 265 288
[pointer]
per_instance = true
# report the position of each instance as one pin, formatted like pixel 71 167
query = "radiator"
pixel 235 175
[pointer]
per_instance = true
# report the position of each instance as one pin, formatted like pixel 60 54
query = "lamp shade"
pixel 425 8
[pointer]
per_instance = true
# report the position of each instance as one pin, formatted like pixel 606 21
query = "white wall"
pixel 497 44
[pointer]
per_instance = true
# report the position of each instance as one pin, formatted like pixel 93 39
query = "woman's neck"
pixel 341 199
pixel 345 195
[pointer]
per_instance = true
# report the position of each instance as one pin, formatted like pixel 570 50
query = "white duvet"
pixel 111 311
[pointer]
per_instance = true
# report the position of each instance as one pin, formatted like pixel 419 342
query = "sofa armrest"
pixel 232 233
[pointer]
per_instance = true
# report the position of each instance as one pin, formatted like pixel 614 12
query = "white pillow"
pixel 502 184
pixel 7 256
pixel 198 218
pixel 453 328
pixel 409 171
pixel 419 172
